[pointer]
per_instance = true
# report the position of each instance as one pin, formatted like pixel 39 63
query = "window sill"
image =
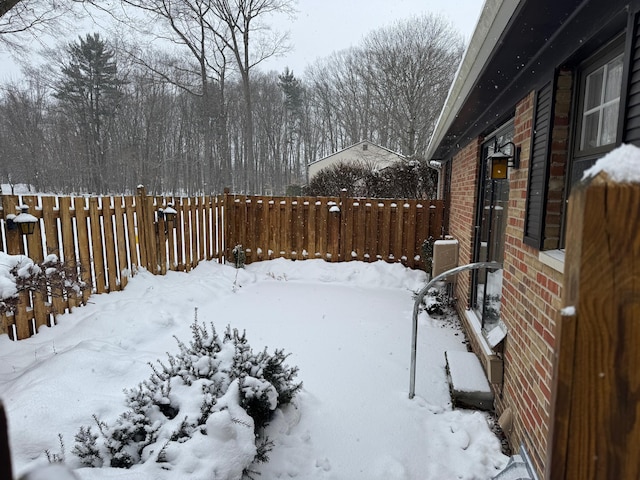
pixel 553 259
pixel 491 362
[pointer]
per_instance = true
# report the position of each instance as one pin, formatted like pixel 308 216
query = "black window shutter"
pixel 539 168
pixel 632 113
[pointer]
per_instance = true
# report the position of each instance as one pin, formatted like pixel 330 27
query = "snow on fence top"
pixel 622 165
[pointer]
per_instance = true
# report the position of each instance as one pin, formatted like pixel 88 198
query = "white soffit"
pixel 493 20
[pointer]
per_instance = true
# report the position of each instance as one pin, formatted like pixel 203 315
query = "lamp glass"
pixel 27 228
pixel 499 167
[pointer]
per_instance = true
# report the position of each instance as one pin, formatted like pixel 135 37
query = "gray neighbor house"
pixel 552 86
pixel 363 153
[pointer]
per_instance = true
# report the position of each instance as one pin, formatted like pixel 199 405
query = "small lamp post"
pixel 24 221
pixel 170 214
pixel 501 160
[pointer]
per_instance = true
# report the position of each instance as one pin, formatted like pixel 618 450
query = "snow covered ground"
pixel 348 328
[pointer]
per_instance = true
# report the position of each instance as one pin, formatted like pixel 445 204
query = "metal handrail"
pixel 416 310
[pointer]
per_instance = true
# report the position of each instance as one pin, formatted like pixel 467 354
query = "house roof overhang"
pixel 516 46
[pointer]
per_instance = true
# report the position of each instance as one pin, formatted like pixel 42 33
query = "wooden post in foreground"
pixel 5 452
pixel 595 429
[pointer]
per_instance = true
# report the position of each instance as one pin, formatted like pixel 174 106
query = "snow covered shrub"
pixel 86 447
pixel 214 389
pixel 51 277
pixel 427 254
pixel 434 302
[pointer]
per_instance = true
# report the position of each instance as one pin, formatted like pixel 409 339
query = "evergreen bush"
pixel 211 370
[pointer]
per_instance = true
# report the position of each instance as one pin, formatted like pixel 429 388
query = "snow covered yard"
pixel 348 329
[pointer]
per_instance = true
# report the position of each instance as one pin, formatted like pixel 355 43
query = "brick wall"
pixel 463 192
pixel 558 164
pixel 531 289
pixel 530 302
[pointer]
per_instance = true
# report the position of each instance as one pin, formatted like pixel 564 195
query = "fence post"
pixel 342 235
pixel 595 430
pixel 226 209
pixel 5 452
pixel 146 231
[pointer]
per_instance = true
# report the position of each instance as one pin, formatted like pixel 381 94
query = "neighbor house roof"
pixel 365 151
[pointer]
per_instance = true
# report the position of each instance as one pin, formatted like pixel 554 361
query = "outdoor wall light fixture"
pixel 168 214
pixel 24 222
pixel 501 160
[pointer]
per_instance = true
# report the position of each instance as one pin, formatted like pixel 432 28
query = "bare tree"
pixel 24 115
pixel 409 67
pixel 205 120
pixel 244 21
pixel 24 21
pixel 193 25
pixel 389 90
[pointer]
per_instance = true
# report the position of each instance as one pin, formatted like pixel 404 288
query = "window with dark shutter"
pixel 538 168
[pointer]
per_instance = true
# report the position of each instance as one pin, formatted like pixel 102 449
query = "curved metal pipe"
pixel 416 310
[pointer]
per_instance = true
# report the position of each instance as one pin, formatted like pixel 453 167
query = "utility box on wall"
pixel 445 257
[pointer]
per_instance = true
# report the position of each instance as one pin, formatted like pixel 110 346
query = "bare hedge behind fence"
pixel 108 238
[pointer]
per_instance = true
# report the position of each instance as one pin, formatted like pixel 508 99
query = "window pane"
pixel 609 124
pixel 614 79
pixel 593 93
pixel 590 130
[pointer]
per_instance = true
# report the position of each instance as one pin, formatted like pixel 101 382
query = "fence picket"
pixel 83 245
pixel 68 243
pixel 410 235
pixel 193 212
pixel 140 233
pixel 96 246
pixel 202 225
pixel 220 232
pixel 121 237
pixel 210 242
pixel 51 233
pixel 299 226
pixel 186 210
pixel 179 234
pixel 23 318
pixel 312 227
pixel 6 324
pixel 260 229
pixel 109 242
pixel 346 233
pixel 132 233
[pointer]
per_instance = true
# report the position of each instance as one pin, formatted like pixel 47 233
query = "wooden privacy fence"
pixel 336 229
pixel 107 239
pixel 595 424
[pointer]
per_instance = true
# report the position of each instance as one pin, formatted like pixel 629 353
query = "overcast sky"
pixel 325 26
pixel 322 27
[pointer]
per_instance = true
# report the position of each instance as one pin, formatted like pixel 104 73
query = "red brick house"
pixel 554 85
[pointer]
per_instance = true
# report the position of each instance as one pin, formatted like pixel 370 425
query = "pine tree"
pixel 90 90
pixel 293 93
